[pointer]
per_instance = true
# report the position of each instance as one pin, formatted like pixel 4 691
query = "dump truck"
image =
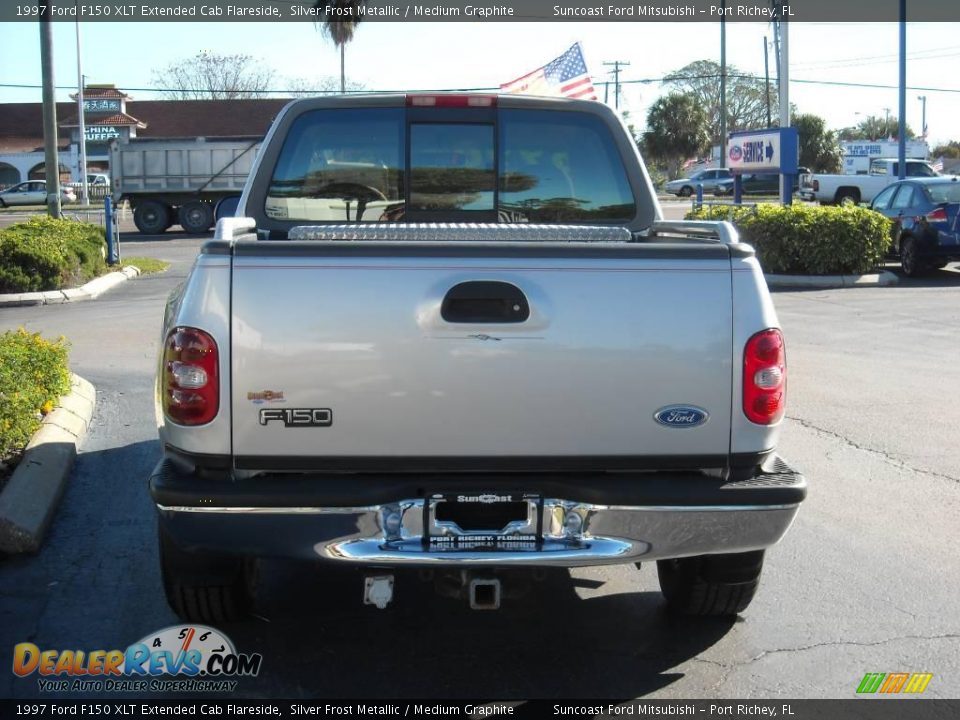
pixel 179 181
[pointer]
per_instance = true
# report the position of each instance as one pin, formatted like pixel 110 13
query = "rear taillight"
pixel 465 100
pixel 765 377
pixel 191 381
pixel 938 215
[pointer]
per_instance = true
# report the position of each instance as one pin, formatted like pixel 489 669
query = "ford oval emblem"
pixel 681 416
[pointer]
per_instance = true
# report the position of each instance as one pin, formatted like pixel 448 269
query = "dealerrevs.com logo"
pixel 179 658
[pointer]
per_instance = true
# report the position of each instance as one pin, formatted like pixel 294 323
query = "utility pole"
pixel 616 80
pixel 923 125
pixel 902 129
pixel 786 181
pixel 50 158
pixel 82 140
pixel 766 72
pixel 723 87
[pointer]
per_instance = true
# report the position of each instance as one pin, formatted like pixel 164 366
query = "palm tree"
pixel 338 29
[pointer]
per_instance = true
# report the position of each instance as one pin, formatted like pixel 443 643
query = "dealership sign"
pixel 773 150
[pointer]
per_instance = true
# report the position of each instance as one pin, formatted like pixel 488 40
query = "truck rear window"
pixel 530 166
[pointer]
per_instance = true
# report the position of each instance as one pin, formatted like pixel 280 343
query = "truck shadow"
pixel 96 584
pixel 318 640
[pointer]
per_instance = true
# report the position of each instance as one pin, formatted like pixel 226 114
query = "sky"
pixel 401 56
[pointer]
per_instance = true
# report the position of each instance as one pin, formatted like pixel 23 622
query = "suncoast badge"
pixel 184 658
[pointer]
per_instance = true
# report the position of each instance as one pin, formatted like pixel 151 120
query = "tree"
pixel 326 85
pixel 746 96
pixel 677 128
pixel 875 128
pixel 209 76
pixel 338 21
pixel 947 150
pixel 819 149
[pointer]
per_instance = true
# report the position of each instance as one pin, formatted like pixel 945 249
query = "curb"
pixel 30 498
pixel 92 290
pixel 882 279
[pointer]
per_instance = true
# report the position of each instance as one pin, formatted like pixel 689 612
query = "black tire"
pixel 685 191
pixel 909 258
pixel 151 217
pixel 847 197
pixel 2 203
pixel 196 217
pixel 710 585
pixel 206 587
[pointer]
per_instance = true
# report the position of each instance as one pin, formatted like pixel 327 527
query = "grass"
pixel 147 265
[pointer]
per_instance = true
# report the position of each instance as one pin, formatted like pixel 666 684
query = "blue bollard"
pixel 699 196
pixel 737 190
pixel 112 255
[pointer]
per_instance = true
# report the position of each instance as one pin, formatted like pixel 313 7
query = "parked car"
pixel 759 183
pixel 926 228
pixel 98 179
pixel 856 189
pixel 685 187
pixel 33 192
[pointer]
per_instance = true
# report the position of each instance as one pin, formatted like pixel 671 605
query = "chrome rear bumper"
pixel 572 534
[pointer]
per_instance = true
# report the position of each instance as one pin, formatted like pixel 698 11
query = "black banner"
pixel 857 709
pixel 860 11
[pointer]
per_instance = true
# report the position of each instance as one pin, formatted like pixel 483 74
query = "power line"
pixel 645 81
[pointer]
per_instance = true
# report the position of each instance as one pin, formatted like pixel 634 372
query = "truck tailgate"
pixel 568 369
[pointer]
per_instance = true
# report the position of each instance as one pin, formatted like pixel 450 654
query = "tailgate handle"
pixel 485 301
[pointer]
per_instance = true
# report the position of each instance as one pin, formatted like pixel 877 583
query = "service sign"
pixel 773 150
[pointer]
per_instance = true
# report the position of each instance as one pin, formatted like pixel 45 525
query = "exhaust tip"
pixel 484 594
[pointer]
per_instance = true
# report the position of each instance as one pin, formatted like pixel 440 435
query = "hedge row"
pixel 47 254
pixel 33 376
pixel 808 240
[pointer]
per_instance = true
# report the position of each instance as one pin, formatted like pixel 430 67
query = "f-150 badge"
pixel 298 417
pixel 681 416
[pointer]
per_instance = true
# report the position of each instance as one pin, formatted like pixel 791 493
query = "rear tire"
pixel 151 217
pixel 710 585
pixel 847 197
pixel 685 191
pixel 196 217
pixel 909 259
pixel 206 587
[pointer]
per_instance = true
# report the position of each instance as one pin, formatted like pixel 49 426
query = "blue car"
pixel 925 211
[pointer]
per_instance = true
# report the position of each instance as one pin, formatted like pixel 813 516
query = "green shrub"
pixel 47 254
pixel 808 240
pixel 33 375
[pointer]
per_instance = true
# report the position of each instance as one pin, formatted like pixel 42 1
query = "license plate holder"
pixel 445 511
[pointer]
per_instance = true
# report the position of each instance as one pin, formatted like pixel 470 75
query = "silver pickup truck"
pixel 453 333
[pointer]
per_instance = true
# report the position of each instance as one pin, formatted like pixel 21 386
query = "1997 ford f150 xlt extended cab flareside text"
pixel 453 333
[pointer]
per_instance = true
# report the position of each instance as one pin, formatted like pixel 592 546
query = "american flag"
pixel 566 76
pixel 938 165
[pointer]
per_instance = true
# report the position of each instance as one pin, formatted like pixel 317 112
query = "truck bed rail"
pixel 463 232
pixel 710 230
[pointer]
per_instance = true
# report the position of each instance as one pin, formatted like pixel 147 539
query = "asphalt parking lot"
pixel 865 581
